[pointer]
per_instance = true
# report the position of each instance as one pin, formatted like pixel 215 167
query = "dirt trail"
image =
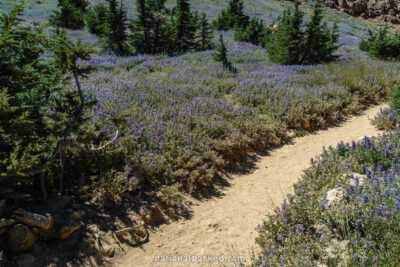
pixel 226 225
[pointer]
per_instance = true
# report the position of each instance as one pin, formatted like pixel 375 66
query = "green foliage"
pixel 286 44
pixel 205 33
pixel 159 30
pixel 97 19
pixel 382 44
pixel 116 35
pixel 185 26
pixel 255 33
pixel 221 55
pixel 394 99
pixel 319 40
pixel 151 30
pixel 292 43
pixel 233 17
pixel 71 14
pixel 36 109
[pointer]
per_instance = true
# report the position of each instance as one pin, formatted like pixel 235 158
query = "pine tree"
pixel 221 55
pixel 236 11
pixel 319 40
pixel 233 17
pixel 382 44
pixel 286 44
pixel 71 14
pixel 185 26
pixel 37 112
pixel 97 19
pixel 205 34
pixel 254 33
pixel 116 36
pixel 151 32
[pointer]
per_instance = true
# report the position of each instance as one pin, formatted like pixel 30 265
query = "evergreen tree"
pixel 233 17
pixel 37 112
pixel 206 34
pixel 116 35
pixel 286 44
pixel 185 26
pixel 254 33
pixel 221 55
pixel 319 40
pixel 290 44
pixel 70 15
pixel 151 32
pixel 382 44
pixel 97 19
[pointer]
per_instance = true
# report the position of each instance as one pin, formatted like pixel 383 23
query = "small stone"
pixel 335 196
pixel 323 231
pixel 26 260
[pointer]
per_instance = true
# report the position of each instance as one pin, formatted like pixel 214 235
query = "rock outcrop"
pixel 387 11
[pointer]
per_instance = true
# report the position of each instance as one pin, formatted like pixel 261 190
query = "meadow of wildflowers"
pixel 183 119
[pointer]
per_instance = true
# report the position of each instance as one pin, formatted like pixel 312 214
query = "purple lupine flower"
pixel 299 227
pixel 368 245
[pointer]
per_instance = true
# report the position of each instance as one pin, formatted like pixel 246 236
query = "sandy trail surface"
pixel 226 224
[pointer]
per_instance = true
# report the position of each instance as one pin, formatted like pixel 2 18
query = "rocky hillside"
pixel 387 11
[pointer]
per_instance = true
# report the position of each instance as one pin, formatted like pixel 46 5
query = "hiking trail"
pixel 226 224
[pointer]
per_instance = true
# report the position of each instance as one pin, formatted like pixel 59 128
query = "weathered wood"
pixel 128 229
pixel 34 219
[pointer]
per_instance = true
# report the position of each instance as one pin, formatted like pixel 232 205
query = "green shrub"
pixel 394 99
pixel 382 44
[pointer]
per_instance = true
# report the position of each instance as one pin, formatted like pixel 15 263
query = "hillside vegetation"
pixel 180 121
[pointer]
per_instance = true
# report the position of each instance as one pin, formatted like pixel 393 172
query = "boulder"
pixel 21 238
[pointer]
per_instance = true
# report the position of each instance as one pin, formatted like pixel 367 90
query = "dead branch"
pixel 94 149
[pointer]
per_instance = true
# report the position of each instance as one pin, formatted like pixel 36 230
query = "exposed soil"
pixel 226 224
